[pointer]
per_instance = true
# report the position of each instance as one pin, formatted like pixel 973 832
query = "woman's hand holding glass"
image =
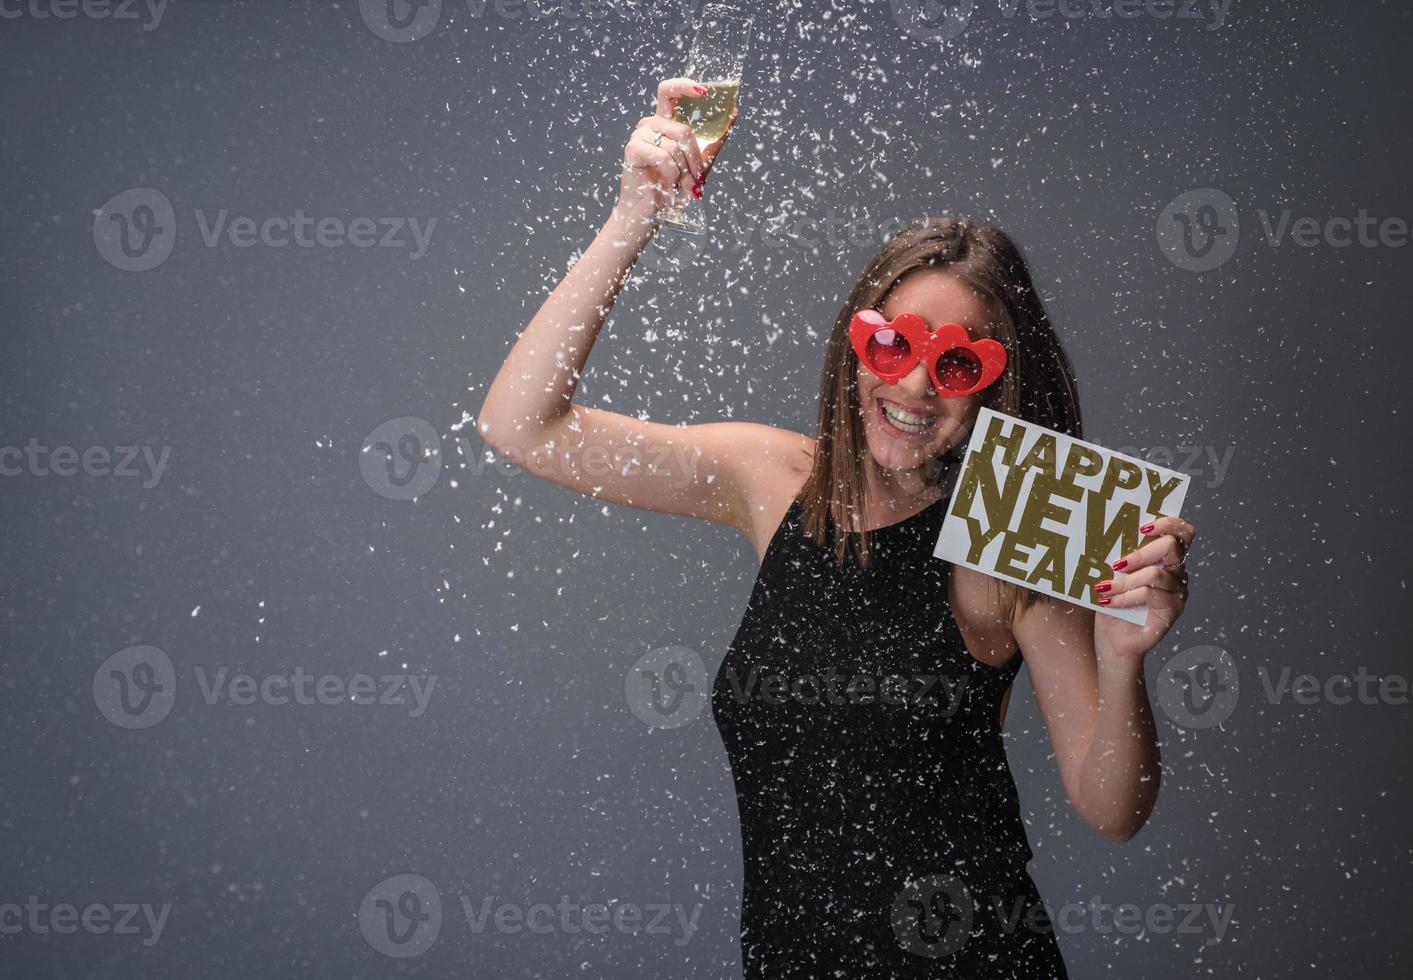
pixel 662 161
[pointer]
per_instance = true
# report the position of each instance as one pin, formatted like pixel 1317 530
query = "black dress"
pixel 881 830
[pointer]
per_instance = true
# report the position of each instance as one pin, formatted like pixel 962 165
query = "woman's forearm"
pixel 535 385
pixel 1121 772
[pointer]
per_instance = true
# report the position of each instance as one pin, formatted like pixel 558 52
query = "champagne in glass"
pixel 716 58
pixel 710 114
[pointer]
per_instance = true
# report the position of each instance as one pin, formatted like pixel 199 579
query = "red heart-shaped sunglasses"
pixel 957 364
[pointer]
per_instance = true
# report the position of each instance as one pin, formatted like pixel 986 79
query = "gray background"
pixel 528 778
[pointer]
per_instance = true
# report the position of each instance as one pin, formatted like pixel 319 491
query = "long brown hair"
pixel 1038 384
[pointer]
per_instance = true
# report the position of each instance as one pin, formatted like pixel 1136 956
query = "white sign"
pixel 1050 512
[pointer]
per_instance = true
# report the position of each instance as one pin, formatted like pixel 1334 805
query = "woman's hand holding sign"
pixel 1156 577
pixel 1061 517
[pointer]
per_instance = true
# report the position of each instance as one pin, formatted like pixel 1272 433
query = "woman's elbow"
pixel 492 429
pixel 1124 827
pixel 499 428
pixel 1119 827
pixel 1119 833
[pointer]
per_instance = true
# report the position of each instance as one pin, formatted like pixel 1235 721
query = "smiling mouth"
pixel 904 422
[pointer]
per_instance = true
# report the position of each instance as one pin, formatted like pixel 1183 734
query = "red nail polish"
pixel 1120 564
pixel 1103 586
pixel 696 190
pixel 1103 602
pixel 1145 528
pixel 700 89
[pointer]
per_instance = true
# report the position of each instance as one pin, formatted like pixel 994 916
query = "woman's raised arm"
pixel 714 471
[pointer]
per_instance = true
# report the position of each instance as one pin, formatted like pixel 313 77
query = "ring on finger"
pixel 683 163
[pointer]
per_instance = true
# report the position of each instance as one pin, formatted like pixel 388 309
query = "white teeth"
pixel 906 420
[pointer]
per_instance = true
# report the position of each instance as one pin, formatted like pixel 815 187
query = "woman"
pixel 862 699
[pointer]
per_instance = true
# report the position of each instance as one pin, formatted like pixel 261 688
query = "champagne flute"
pixel 717 55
